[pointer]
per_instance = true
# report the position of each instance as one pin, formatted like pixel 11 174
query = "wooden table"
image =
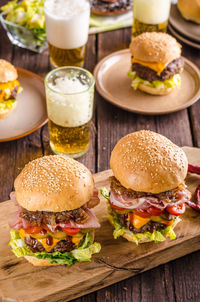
pixel 177 281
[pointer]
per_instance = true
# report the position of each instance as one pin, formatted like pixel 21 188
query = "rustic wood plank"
pixel 106 268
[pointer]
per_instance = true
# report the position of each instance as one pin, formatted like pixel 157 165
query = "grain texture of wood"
pixel 105 268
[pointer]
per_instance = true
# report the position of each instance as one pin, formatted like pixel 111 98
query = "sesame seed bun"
pixel 40 262
pixel 154 91
pixel 146 161
pixel 155 47
pixel 54 183
pixel 7 72
pixel 190 10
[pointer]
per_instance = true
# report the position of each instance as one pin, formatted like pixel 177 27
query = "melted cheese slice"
pixel 6 89
pixel 139 221
pixel 158 67
pixel 76 240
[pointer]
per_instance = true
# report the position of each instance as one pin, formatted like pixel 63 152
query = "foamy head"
pixel 70 99
pixel 67 22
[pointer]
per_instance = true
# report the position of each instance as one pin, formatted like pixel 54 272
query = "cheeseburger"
pixel 190 10
pixel 54 223
pixel 9 88
pixel 156 63
pixel 147 192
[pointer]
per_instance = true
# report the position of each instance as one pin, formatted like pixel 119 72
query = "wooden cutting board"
pixel 118 259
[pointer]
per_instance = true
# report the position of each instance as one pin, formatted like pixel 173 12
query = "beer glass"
pixel 67 24
pixel 150 15
pixel 69 97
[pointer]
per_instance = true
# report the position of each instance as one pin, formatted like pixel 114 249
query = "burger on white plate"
pixel 147 192
pixel 54 223
pixel 9 88
pixel 156 63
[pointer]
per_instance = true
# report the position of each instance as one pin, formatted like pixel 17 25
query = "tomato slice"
pixel 71 231
pixel 154 211
pixel 176 209
pixel 116 207
pixel 34 230
pixel 142 213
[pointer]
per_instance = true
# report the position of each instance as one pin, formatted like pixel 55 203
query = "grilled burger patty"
pixel 62 246
pixel 170 196
pixel 148 227
pixel 150 75
pixel 41 217
pixel 108 6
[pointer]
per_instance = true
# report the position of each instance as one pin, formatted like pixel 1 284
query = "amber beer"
pixel 69 140
pixel 66 57
pixel 69 98
pixel 67 24
pixel 150 15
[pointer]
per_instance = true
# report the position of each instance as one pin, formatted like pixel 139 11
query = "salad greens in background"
pixel 29 14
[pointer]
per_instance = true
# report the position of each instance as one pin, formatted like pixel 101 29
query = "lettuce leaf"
pixel 175 81
pixel 83 253
pixel 9 104
pixel 157 235
pixel 105 193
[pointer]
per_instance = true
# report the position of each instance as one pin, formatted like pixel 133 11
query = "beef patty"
pixel 62 246
pixel 108 6
pixel 148 227
pixel 150 75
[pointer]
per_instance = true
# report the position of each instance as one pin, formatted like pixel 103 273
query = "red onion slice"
pixel 193 205
pixel 197 194
pixel 194 169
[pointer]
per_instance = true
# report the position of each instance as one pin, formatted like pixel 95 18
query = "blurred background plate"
pixel 30 112
pixel 183 38
pixel 113 83
pixel 187 28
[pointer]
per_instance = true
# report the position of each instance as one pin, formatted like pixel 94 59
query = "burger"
pixel 190 10
pixel 156 63
pixel 9 88
pixel 147 192
pixel 54 223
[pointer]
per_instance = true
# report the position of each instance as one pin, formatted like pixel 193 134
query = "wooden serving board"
pixel 118 259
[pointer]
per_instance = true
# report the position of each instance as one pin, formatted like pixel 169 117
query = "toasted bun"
pixel 6 112
pixel 7 72
pixel 40 262
pixel 154 91
pixel 190 10
pixel 155 47
pixel 54 183
pixel 146 161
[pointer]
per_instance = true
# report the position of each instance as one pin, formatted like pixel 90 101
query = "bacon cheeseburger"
pixel 148 192
pixel 156 63
pixel 54 223
pixel 9 88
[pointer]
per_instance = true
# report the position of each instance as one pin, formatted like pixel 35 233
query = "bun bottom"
pixel 154 91
pixel 40 262
pixel 6 112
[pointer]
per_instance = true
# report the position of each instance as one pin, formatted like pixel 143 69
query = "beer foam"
pixel 67 22
pixel 69 110
pixel 151 11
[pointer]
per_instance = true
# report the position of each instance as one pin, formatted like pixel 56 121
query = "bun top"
pixel 190 10
pixel 53 183
pixel 155 47
pixel 146 161
pixel 7 72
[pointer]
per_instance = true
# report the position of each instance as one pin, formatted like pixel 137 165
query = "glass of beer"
pixel 150 15
pixel 67 24
pixel 69 97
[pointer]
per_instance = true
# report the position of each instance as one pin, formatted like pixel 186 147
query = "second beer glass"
pixel 67 24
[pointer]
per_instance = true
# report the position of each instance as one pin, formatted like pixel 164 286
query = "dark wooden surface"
pixel 177 281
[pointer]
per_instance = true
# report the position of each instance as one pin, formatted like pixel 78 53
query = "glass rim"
pixel 69 67
pixel 46 9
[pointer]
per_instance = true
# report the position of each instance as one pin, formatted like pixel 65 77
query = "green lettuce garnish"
pixel 82 253
pixel 174 81
pixel 157 235
pixel 9 104
pixel 29 14
pixel 105 193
